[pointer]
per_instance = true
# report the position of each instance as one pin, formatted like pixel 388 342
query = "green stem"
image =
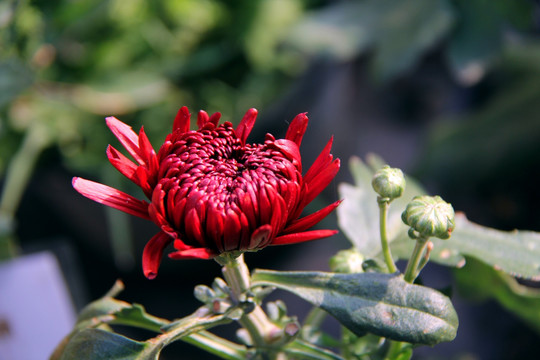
pixel 216 345
pixel 383 214
pixel 259 326
pixel 18 175
pixel 411 272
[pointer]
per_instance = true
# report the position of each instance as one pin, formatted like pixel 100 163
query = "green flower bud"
pixel 389 183
pixel 429 216
pixel 347 261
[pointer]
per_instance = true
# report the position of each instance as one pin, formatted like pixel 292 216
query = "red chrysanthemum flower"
pixel 210 192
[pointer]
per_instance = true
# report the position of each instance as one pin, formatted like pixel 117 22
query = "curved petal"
pixel 322 161
pixel 310 220
pixel 195 253
pixel 202 118
pixel 111 197
pixel 246 125
pixel 302 236
pixel 181 121
pixel 290 150
pixel 297 128
pixel 152 253
pixel 127 137
pixel 125 166
pixel 260 236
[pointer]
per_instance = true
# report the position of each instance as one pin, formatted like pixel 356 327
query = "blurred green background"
pixel 448 90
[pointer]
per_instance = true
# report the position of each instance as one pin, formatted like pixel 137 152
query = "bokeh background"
pixel 448 90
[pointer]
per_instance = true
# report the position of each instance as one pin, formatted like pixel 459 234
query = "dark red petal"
pixel 260 236
pixel 310 220
pixel 127 137
pixel 202 118
pixel 148 153
pixel 125 166
pixel 214 118
pixel 181 121
pixel 193 227
pixel 320 182
pixel 290 150
pixel 321 162
pixel 302 236
pixel 215 226
pixel 297 128
pixel 111 197
pixel 195 253
pixel 231 231
pixel 152 253
pixel 246 125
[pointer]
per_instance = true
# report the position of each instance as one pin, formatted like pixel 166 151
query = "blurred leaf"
pixel 478 37
pixel 406 31
pixel 299 349
pixel 516 252
pixel 15 77
pixel 382 304
pixel 400 31
pixel 478 281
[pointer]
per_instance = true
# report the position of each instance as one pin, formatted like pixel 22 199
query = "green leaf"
pixel 478 281
pixel 97 344
pixel 515 252
pixel 382 304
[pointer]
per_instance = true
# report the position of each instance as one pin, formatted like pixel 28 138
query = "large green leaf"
pixel 488 283
pixel 516 252
pixel 97 344
pixel 382 304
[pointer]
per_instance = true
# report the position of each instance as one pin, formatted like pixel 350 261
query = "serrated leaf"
pixel 515 252
pixel 382 304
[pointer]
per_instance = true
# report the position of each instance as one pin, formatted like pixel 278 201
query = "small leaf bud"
pixel 389 183
pixel 429 216
pixel 347 261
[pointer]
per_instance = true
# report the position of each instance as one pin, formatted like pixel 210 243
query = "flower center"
pixel 219 191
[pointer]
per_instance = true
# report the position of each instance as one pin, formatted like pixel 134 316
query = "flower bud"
pixel 429 216
pixel 388 182
pixel 347 261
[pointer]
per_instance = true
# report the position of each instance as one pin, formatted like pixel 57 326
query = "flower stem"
pixel 383 214
pixel 259 326
pixel 411 272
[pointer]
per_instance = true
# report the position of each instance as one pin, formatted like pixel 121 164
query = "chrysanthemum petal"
pixel 260 236
pixel 297 128
pixel 322 161
pixel 181 121
pixel 125 166
pixel 111 197
pixel 148 153
pixel 214 118
pixel 153 252
pixel 246 125
pixel 202 118
pixel 302 236
pixel 321 181
pixel 195 253
pixel 127 137
pixel 310 220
